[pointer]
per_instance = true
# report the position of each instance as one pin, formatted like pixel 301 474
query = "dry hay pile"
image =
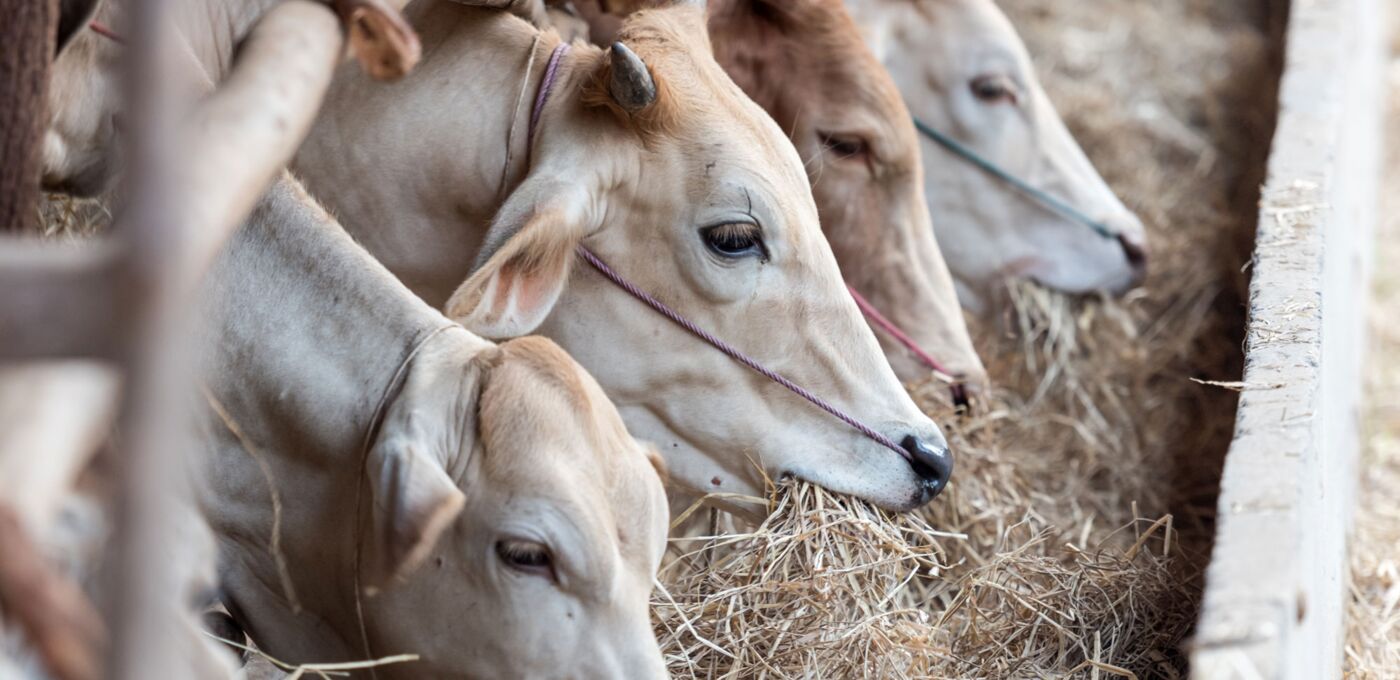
pixel 1072 539
pixel 1373 610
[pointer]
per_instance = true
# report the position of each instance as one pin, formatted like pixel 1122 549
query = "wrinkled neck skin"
pixel 432 243
pixel 301 379
pixel 876 217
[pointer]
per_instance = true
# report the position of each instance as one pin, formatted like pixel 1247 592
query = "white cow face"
pixel 963 70
pixel 547 570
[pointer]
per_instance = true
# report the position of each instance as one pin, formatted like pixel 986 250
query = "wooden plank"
pixel 1273 605
pixel 60 301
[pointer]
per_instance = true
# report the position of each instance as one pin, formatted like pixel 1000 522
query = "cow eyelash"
pixel 734 240
pixel 995 89
pixel 846 146
pixel 526 557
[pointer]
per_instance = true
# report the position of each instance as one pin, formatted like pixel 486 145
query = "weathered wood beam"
pixel 27 33
pixel 59 301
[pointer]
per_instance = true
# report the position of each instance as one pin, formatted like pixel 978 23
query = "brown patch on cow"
pixel 546 361
pixel 666 40
pixel 797 55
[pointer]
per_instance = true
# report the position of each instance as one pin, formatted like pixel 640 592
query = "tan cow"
pixel 484 505
pixel 804 62
pixel 648 154
pixel 963 70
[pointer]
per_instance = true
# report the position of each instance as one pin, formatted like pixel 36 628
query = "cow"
pixel 649 155
pixel 694 192
pixel 964 72
pixel 806 64
pixel 381 481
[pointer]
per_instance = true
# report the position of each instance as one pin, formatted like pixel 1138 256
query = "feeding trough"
pixel 1274 598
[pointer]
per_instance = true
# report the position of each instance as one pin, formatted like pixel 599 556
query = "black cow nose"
pixel 1135 249
pixel 932 462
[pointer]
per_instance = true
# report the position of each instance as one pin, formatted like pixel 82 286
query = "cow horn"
pixel 631 87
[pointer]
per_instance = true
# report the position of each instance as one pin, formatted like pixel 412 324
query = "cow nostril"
pixel 1135 249
pixel 931 461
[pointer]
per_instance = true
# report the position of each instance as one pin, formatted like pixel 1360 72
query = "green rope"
pixel 1054 204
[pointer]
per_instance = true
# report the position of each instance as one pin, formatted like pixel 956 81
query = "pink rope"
pixel 888 326
pixel 732 352
pixel 102 30
pixel 956 385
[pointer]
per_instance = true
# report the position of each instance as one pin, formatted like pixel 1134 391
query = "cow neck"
pixel 212 28
pixel 342 325
pixel 310 340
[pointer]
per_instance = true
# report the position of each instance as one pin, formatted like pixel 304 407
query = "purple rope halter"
pixel 547 85
pixel 551 71
pixel 732 352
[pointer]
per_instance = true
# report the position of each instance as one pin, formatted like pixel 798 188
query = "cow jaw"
pixel 987 231
pixel 81 152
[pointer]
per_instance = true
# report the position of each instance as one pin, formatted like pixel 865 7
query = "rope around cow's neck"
pixel 884 324
pixel 1036 194
pixel 547 86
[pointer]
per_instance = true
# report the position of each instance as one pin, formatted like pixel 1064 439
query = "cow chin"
pixel 903 497
pixel 871 472
pixel 1092 264
pixel 898 495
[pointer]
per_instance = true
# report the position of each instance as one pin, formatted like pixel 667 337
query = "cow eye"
pixel 994 89
pixel 527 557
pixel 735 240
pixel 846 146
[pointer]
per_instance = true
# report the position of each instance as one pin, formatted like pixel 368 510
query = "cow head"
pixel 523 540
pixel 804 62
pixel 964 71
pixel 649 155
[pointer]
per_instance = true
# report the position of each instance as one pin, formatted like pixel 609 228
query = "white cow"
pixel 963 70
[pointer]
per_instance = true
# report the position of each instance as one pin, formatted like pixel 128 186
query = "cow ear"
pixel 414 500
pixel 659 464
pixel 525 262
